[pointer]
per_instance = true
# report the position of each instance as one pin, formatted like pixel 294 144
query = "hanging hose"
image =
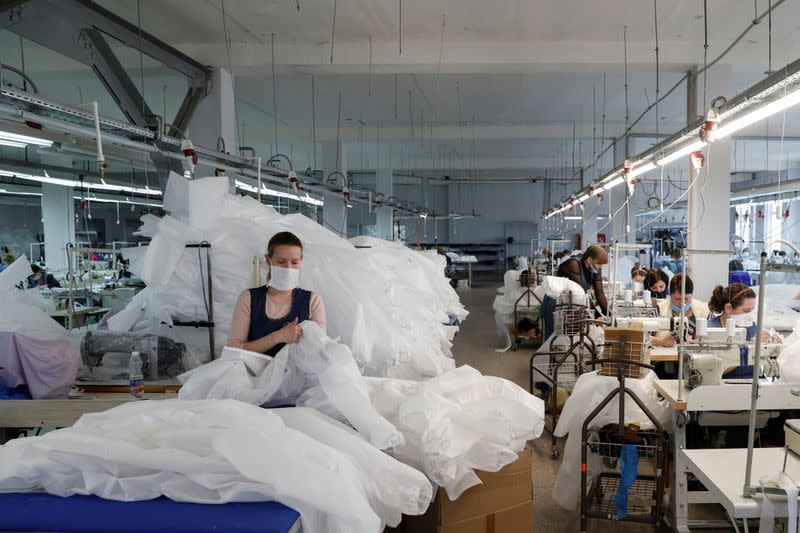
pixel 22 75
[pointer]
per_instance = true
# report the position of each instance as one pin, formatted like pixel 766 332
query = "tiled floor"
pixel 475 346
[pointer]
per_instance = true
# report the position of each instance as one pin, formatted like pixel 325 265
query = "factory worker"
pixel 7 260
pixel 676 265
pixel 672 307
pixel 735 302
pixel 657 282
pixel 269 317
pixel 737 273
pixel 41 278
pixel 586 271
pixel 638 275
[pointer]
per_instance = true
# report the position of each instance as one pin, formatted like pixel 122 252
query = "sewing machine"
pixel 649 324
pixel 707 362
pixel 161 356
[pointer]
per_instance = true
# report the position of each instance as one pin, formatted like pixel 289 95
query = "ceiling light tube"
pixel 86 184
pixel 732 126
pixel 583 198
pixel 573 217
pixel 638 171
pixel 614 183
pixel 677 154
pixel 598 190
pixel 15 137
pixel 13 144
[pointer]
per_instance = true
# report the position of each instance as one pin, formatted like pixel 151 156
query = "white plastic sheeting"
pixel 386 303
pixel 34 349
pixel 789 358
pixel 458 422
pixel 783 306
pixel 217 452
pixel 316 366
pixel 589 391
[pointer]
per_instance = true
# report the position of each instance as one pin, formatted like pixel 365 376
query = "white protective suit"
pixel 217 452
pixel 315 365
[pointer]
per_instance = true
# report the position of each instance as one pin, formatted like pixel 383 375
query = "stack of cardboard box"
pixel 503 503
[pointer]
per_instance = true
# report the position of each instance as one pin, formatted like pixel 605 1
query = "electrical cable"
pixel 274 94
pixel 226 35
pixel 333 29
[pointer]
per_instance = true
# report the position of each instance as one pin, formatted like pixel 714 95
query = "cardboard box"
pixel 502 501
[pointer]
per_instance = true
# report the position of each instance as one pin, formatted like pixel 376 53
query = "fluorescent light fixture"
pixel 86 184
pixel 25 139
pixel 583 198
pixel 680 153
pixel 12 144
pixel 280 194
pixel 93 199
pixel 729 127
pixel 611 177
pixel 614 183
pixel 598 190
pixel 641 169
pixel 573 217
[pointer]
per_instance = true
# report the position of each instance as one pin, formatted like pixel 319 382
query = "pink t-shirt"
pixel 241 316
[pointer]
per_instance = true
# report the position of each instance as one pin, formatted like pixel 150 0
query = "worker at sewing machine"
pixel 638 277
pixel 656 281
pixel 41 278
pixel 269 317
pixel 672 307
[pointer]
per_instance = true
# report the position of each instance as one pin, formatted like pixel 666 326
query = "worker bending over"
pixel 586 271
pixel 267 318
pixel 657 283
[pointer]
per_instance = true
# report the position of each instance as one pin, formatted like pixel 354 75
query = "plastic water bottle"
pixel 135 376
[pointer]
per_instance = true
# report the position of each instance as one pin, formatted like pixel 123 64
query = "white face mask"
pixel 745 320
pixel 284 279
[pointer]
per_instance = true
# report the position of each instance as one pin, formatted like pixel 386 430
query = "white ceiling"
pixel 526 70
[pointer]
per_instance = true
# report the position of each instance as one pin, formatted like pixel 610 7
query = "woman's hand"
pixel 665 342
pixel 290 333
pixel 765 336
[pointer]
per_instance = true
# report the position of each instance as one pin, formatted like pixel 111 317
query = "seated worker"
pixel 737 273
pixel 267 318
pixel 656 281
pixel 41 278
pixel 584 270
pixel 672 307
pixel 638 275
pixel 7 260
pixel 735 302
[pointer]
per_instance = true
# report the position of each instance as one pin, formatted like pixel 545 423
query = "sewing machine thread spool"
pixel 648 298
pixel 702 327
pixel 730 328
pixel 628 296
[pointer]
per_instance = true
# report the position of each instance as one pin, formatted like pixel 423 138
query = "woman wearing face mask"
pixel 672 307
pixel 638 275
pixel 657 282
pixel 268 317
pixel 735 302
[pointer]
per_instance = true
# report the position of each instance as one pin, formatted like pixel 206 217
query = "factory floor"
pixel 475 345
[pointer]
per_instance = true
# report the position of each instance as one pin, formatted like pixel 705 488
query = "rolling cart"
pixel 528 305
pixel 616 443
pixel 561 369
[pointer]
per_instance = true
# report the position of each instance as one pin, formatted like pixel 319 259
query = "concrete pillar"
pixel 215 117
pixel 334 212
pixel 384 183
pixel 709 200
pixel 58 211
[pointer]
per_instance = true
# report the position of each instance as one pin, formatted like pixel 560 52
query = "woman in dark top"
pixel 657 283
pixel 586 271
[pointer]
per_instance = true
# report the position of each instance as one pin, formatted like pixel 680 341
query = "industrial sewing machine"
pixel 707 361
pixel 161 356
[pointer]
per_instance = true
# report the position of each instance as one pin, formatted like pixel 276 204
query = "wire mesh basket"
pixel 642 499
pixel 635 311
pixel 625 344
pixel 608 442
pixel 567 376
pixel 571 315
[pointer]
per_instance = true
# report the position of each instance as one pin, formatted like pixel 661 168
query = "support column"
pixel 58 212
pixel 384 183
pixel 215 118
pixel 709 200
pixel 334 212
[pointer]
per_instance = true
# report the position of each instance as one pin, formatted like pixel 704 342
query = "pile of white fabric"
pixel 457 423
pixel 589 391
pixel 316 366
pixel 372 296
pixel 505 302
pixel 222 451
pixel 783 311
pixel 446 426
pixel 34 349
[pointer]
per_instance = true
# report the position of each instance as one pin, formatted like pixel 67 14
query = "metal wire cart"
pixel 557 369
pixel 529 306
pixel 613 493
